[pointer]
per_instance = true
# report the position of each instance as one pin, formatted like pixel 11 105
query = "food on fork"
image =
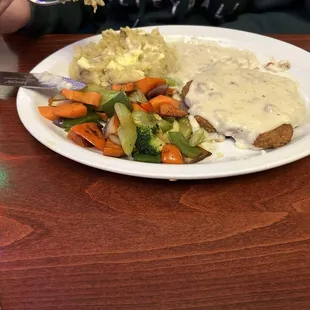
pixel 93 3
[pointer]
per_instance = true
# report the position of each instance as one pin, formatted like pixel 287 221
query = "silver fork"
pixel 45 2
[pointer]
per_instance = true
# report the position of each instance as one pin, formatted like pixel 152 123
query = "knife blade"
pixel 44 80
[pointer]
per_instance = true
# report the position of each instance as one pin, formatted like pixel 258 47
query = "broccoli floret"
pixel 147 141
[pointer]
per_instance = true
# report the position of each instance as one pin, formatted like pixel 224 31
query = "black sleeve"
pixel 61 18
pixel 226 10
pixel 291 18
pixel 264 5
pixel 271 23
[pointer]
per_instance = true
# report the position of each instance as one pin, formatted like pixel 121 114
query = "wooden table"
pixel 72 237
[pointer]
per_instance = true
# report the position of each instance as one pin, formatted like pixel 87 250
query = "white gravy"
pixel 234 95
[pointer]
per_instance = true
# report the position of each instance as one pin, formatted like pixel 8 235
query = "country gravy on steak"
pixel 235 95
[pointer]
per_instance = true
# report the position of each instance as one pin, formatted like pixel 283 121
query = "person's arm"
pixel 14 15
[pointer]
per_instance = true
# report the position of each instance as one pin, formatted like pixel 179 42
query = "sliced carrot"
pixel 124 87
pixel 147 107
pixel 159 100
pixel 90 132
pixel 149 83
pixel 103 116
pixel 78 139
pixel 169 110
pixel 71 110
pixel 137 107
pixel 113 149
pixel 170 91
pixel 48 112
pixel 170 154
pixel 91 98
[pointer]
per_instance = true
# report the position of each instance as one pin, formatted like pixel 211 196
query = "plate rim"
pixel 160 171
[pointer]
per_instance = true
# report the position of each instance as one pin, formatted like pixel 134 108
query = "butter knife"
pixel 44 80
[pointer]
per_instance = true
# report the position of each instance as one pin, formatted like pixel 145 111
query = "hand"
pixel 4 4
pixel 14 15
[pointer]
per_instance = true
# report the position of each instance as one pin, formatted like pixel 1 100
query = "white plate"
pixel 234 161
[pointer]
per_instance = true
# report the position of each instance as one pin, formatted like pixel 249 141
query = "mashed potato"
pixel 125 56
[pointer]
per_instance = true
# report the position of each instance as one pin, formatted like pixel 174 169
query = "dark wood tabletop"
pixel 73 237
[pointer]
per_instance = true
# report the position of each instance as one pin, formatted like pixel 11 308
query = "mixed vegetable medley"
pixel 141 120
